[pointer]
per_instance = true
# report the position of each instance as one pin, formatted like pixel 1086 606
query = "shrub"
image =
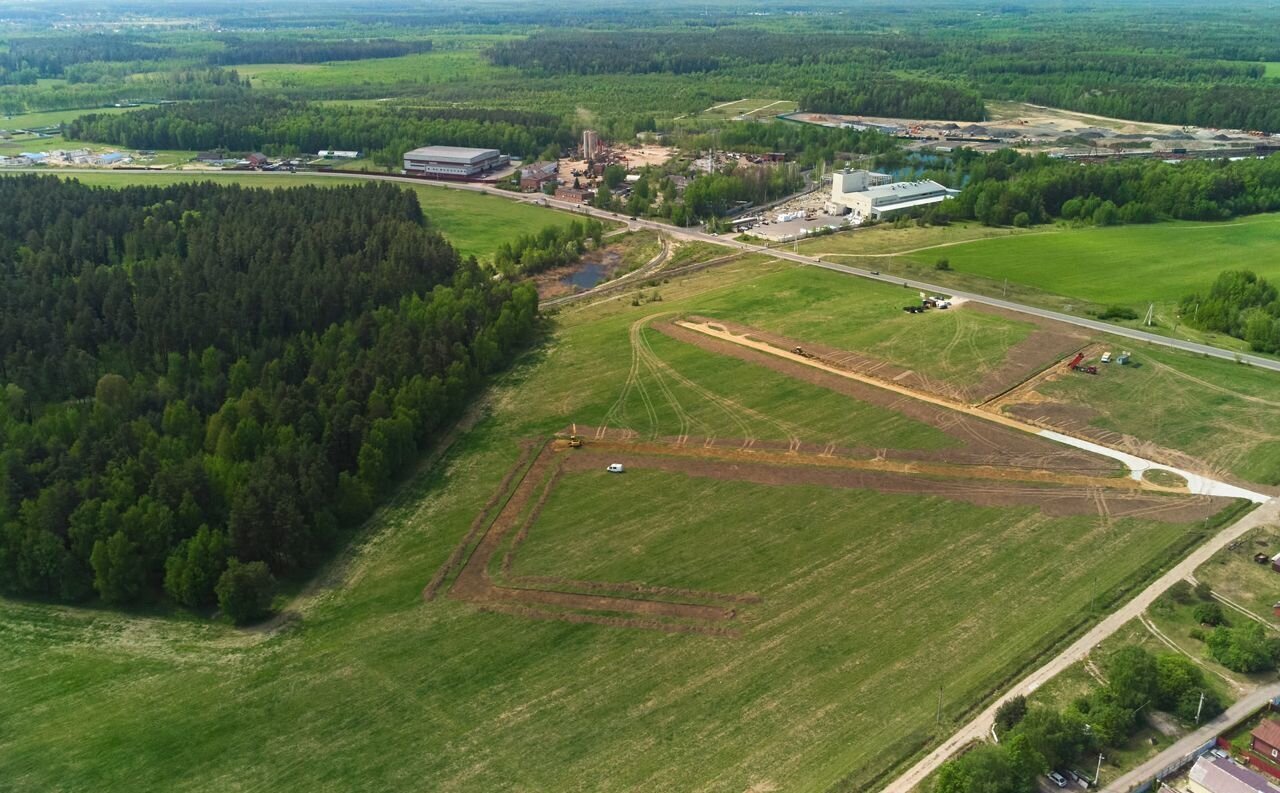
pixel 245 591
pixel 1123 312
pixel 1204 591
pixel 1011 712
pixel 1209 614
pixel 1243 649
pixel 942 264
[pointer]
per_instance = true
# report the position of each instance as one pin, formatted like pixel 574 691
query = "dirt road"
pixel 1192 741
pixel 978 728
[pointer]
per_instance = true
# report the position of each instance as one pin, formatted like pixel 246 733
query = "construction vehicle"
pixel 575 440
pixel 1075 361
pixel 1087 369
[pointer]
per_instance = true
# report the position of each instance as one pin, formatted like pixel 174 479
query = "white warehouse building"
pixel 454 162
pixel 870 195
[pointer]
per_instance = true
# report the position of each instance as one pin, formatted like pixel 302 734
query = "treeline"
pixel 196 84
pixel 1239 304
pixel 299 50
pixel 1036 740
pixel 807 144
pixel 197 378
pixel 1007 188
pixel 554 246
pixel 893 96
pixel 1085 69
pixel 28 59
pixel 278 126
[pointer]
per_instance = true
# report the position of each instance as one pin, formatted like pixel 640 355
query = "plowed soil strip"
pixel 1057 501
pixel 999 441
pixel 482 520
pixel 474 583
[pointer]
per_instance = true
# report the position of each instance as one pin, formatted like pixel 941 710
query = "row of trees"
pixel 278 49
pixel 198 374
pixel 554 246
pixel 1238 304
pixel 279 126
pixel 1007 188
pixel 1035 740
pixel 26 60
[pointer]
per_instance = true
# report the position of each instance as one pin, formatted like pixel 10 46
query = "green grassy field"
pixel 878 240
pixel 44 119
pixel 1273 69
pixel 1124 265
pixel 752 108
pixel 440 66
pixel 958 346
pixel 1218 411
pixel 475 223
pixel 872 603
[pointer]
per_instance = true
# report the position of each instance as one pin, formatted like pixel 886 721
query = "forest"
pixel 205 382
pixel 1006 188
pixel 278 126
pixel 297 50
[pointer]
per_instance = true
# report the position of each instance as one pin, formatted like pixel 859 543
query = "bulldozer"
pixel 575 440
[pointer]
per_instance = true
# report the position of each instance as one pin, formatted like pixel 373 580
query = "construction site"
pixel 1001 453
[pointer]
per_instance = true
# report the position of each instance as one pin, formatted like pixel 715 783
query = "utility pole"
pixel 1151 310
pixel 939 704
pixel 1098 773
pixel 1198 707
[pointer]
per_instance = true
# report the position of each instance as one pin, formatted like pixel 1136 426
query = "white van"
pixel 615 468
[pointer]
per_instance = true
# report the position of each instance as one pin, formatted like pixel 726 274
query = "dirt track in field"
pixel 984 442
pixel 676 610
pixel 1049 342
pixel 1000 463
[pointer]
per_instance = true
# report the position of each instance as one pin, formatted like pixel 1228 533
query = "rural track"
pixel 1193 740
pixel 976 729
pixel 698 235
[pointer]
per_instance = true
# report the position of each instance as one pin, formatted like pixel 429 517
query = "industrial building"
pixel 869 195
pixel 452 162
pixel 535 176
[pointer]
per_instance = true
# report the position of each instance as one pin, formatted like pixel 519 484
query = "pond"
pixel 586 276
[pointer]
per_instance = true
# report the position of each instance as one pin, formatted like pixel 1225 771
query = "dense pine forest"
pixel 1007 188
pixel 198 374
pixel 284 127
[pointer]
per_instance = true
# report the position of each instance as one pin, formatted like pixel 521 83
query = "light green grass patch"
pixel 476 224
pixel 957 345
pixel 1126 265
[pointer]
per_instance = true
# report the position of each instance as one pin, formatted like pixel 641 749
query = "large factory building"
pixel 869 195
pixel 452 162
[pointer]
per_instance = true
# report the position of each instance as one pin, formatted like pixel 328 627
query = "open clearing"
pixel 845 590
pixel 475 223
pixel 1124 265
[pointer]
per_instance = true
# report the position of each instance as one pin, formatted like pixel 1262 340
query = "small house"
pixel 1265 740
pixel 257 160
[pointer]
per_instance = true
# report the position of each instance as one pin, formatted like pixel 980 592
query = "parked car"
pixel 615 468
pixel 1057 779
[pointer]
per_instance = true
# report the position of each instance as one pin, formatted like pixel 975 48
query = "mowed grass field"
pixel 476 224
pixel 872 603
pixel 1124 265
pixel 958 345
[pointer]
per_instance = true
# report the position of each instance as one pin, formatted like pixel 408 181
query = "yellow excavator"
pixel 575 440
